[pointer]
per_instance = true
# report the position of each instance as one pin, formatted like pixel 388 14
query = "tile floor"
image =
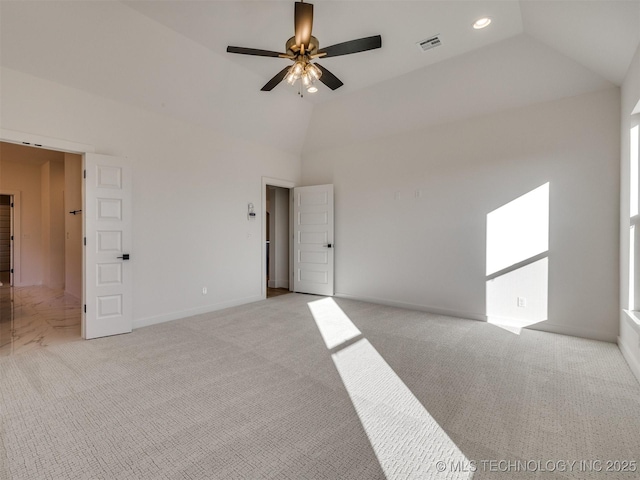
pixel 34 317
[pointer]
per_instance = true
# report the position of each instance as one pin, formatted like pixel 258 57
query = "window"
pixel 634 217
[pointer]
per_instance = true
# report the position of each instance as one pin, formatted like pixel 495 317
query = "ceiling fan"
pixel 302 48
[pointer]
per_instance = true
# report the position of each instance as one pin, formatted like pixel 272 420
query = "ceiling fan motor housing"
pixel 294 50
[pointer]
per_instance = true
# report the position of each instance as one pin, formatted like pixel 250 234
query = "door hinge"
pixel 11 204
pixel 84 174
pixel 85 308
pixel 12 238
pixel 12 270
pixel 85 241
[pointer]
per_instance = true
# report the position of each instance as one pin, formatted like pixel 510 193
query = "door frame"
pixel 39 141
pixel 15 231
pixel 274 182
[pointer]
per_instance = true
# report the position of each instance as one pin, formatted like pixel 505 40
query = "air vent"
pixel 429 43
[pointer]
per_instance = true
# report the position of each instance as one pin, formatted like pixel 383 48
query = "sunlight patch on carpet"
pixel 406 439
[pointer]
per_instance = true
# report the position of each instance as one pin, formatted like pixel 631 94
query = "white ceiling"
pixel 513 73
pixel 602 35
pixel 169 57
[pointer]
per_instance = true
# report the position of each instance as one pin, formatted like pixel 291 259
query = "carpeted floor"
pixel 253 392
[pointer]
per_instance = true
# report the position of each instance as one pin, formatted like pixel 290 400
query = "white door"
pixel 313 240
pixel 107 267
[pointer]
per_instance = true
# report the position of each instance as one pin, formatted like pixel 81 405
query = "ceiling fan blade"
pixel 303 23
pixel 328 78
pixel 254 51
pixel 275 80
pixel 353 46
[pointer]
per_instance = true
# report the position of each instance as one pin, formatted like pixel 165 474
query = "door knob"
pixel 125 256
pixel 329 245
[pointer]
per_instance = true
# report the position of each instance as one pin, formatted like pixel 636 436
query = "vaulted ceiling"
pixel 601 35
pixel 169 56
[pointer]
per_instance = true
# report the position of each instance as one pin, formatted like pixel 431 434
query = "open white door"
pixel 107 227
pixel 313 240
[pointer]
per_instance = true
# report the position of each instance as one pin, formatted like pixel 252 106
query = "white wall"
pixel 278 208
pixel 629 340
pixel 512 73
pixel 52 198
pixel 190 193
pixel 45 220
pixel 271 204
pixel 428 252
pixel 282 237
pixel 57 250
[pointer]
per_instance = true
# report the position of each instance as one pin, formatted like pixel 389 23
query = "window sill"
pixel 634 315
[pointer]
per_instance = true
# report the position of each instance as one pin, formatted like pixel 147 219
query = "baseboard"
pixel 67 292
pixel 145 322
pixel 634 365
pixel 572 331
pixel 542 326
pixel 413 306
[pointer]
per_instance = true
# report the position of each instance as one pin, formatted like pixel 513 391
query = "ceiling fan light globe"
pixel 314 71
pixel 289 77
pixel 298 68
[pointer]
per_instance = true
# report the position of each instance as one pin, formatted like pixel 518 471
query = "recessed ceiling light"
pixel 312 89
pixel 481 23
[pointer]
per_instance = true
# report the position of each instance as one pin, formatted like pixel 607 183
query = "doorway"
pixel 40 247
pixel 277 233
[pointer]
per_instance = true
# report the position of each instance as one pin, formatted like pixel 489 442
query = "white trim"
pixel 634 365
pixel 544 326
pixel 413 306
pixel 571 331
pixel 17 235
pixel 274 182
pixel 38 141
pixel 635 318
pixel 145 322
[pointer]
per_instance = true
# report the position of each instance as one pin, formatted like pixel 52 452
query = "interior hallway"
pixel 34 317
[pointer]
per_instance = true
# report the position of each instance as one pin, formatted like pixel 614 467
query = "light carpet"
pixel 252 392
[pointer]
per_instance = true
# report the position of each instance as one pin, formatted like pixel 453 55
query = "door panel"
pixel 108 295
pixel 313 237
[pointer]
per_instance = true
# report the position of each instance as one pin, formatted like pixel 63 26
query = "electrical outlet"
pixel 522 302
pixel 204 290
